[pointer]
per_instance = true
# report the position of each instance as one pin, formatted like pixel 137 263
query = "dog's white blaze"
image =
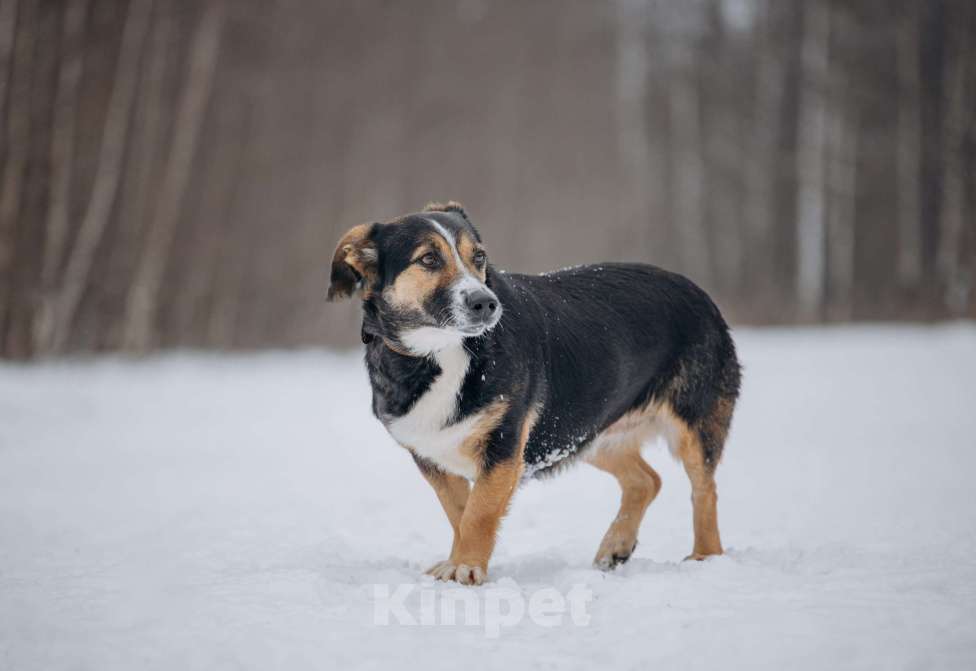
pixel 452 243
pixel 424 429
pixel 466 284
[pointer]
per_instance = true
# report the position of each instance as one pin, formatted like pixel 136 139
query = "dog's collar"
pixel 390 345
pixel 368 337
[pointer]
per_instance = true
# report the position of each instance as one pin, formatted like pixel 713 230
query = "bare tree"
pixel 17 148
pixel 8 22
pixel 215 203
pixel 811 200
pixel 909 142
pixel 723 113
pixel 764 155
pixel 95 220
pixel 62 164
pixel 632 74
pixel 959 103
pixel 688 160
pixel 143 297
pixel 841 171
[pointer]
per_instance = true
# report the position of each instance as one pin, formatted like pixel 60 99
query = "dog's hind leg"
pixel 639 484
pixel 704 496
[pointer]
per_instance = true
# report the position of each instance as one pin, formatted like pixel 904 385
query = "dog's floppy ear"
pixel 449 206
pixel 354 262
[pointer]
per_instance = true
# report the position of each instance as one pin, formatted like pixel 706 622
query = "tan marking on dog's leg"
pixel 487 504
pixel 639 485
pixel 452 491
pixel 704 496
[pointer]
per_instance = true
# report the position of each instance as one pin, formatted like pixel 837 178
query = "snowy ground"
pixel 202 512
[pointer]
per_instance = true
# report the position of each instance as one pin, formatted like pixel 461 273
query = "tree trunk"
pixel 17 147
pixel 142 300
pixel 958 115
pixel 147 149
pixel 764 153
pixel 723 152
pixel 689 169
pixel 909 142
pixel 932 38
pixel 842 142
pixel 811 200
pixel 93 224
pixel 633 142
pixel 62 162
pixel 8 24
pixel 224 171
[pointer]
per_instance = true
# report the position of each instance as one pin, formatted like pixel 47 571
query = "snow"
pixel 213 512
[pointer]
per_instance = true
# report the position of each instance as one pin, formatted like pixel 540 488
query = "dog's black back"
pixel 586 346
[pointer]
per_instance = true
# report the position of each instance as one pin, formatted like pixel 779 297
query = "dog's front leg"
pixel 474 516
pixel 482 509
pixel 452 491
pixel 489 499
pixel 483 513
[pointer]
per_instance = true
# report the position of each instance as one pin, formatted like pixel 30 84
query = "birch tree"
pixel 811 199
pixel 632 74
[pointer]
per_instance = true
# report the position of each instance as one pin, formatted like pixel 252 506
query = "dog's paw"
pixel 462 573
pixel 470 575
pixel 610 562
pixel 701 556
pixel 442 570
pixel 613 553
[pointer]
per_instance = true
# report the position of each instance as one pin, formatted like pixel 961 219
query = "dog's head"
pixel 423 278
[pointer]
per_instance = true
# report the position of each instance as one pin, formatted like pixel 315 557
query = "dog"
pixel 490 378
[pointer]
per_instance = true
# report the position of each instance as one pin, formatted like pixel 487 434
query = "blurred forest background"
pixel 176 173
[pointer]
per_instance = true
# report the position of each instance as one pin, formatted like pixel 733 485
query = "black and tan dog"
pixel 490 377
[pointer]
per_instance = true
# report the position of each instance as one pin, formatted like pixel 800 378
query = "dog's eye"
pixel 480 257
pixel 429 260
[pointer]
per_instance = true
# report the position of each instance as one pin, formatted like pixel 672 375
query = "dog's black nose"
pixel 482 304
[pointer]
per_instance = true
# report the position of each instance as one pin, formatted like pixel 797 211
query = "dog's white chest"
pixel 424 429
